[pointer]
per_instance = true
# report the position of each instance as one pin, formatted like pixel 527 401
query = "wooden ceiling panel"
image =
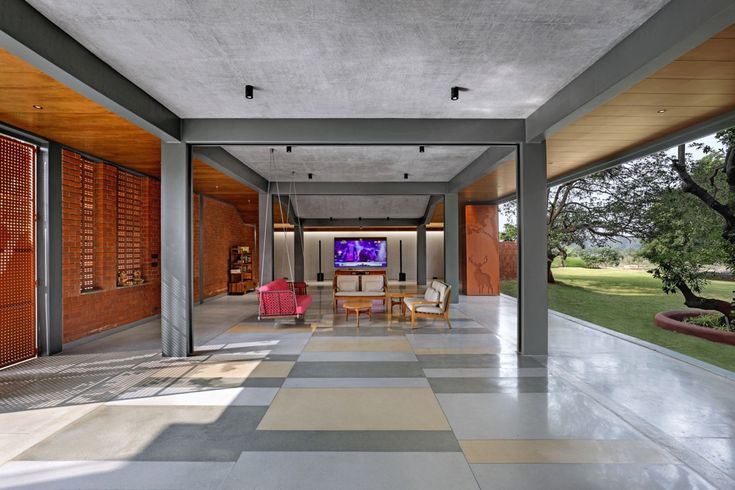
pixel 213 183
pixel 499 183
pixel 71 119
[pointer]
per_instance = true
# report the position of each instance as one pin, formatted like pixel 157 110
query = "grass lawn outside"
pixel 626 301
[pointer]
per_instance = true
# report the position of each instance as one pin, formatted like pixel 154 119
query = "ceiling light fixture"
pixel 661 111
pixel 249 91
pixel 311 176
pixel 288 149
pixel 421 149
pixel 405 176
pixel 455 93
pixel 38 107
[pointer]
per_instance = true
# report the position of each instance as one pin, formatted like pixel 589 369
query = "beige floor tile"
pixel 354 409
pixel 242 369
pixel 272 369
pixel 456 350
pixel 563 451
pixel 358 345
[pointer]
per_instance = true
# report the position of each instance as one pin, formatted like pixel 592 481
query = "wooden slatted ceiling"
pixel 71 119
pixel 697 86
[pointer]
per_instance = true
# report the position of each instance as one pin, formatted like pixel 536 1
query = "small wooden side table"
pixel 358 307
pixel 395 298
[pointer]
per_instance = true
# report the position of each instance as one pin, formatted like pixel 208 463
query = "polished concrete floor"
pixel 273 405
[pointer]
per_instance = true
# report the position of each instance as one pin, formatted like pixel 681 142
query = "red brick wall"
pixel 508 260
pixel 107 306
pixel 223 228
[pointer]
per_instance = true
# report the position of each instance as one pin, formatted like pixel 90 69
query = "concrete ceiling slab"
pixel 366 207
pixel 349 58
pixel 358 163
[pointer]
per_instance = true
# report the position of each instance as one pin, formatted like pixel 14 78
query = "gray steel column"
pixel 176 250
pixel 533 319
pixel 265 238
pixel 421 254
pixel 298 253
pixel 49 246
pixel 451 243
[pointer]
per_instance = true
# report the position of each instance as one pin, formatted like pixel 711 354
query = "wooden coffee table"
pixel 357 307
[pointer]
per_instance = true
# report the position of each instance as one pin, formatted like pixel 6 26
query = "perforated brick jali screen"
pixel 17 251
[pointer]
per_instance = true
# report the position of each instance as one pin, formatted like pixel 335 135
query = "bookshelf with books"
pixel 241 270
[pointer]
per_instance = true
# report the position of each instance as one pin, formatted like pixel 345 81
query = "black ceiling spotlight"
pixel 311 176
pixel 288 149
pixel 421 149
pixel 249 91
pixel 455 93
pixel 405 176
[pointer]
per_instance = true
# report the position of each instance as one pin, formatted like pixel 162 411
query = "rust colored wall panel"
pixel 482 258
pixel 17 251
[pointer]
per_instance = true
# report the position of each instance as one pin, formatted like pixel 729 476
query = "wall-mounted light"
pixel 249 91
pixel 455 93
pixel 421 149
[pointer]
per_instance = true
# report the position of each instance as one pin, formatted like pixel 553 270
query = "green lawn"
pixel 626 301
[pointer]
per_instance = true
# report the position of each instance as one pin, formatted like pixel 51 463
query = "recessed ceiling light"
pixel 249 91
pixel 455 93
pixel 661 111
pixel 38 107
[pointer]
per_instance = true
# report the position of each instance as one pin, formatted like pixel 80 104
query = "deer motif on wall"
pixel 481 278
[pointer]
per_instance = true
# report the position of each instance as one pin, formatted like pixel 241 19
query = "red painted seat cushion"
pixel 302 304
pixel 277 285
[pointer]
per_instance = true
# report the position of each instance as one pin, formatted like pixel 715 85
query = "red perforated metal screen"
pixel 17 251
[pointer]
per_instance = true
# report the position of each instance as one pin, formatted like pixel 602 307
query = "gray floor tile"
pixel 353 440
pixel 477 361
pixel 555 415
pixel 494 385
pixel 357 357
pixel 356 383
pixel 353 470
pixel 356 370
pixel 263 382
pixel 586 476
pixel 100 475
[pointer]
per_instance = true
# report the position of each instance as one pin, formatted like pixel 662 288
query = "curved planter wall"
pixel 672 320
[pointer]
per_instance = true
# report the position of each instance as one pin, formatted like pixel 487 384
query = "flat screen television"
pixel 360 253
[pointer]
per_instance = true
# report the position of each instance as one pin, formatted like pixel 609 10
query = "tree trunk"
pixel 694 301
pixel 549 275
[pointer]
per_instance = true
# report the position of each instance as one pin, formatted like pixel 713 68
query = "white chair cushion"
pixel 443 294
pixel 373 284
pixel 347 283
pixel 432 295
pixel 429 309
pixel 435 284
pixel 410 301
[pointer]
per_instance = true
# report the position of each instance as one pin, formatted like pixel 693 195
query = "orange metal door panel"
pixel 17 251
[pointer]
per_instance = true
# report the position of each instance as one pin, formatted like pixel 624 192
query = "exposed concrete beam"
pixel 678 27
pixel 430 206
pixel 364 188
pixel 353 131
pixel 229 165
pixel 290 212
pixel 481 166
pixel 354 223
pixel 35 39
